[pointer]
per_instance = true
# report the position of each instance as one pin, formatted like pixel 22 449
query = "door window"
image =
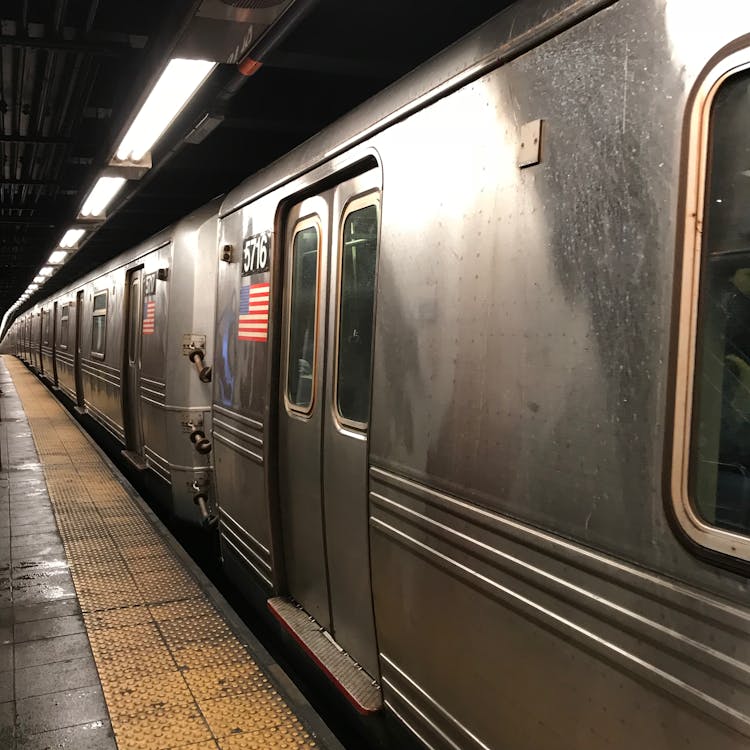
pixel 64 320
pixel 133 326
pixel 99 325
pixel 303 310
pixel 358 252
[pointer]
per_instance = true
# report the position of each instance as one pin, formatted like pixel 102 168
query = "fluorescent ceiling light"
pixel 179 81
pixel 99 198
pixel 32 287
pixel 38 279
pixel 46 271
pixel 71 237
pixel 57 257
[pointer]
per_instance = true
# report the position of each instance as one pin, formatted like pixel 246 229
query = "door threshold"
pixel 135 459
pixel 362 691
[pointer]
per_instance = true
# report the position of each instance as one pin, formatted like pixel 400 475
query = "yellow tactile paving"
pixel 174 675
pixel 225 680
pixel 286 737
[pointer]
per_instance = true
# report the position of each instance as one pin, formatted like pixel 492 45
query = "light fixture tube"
pixel 71 237
pixel 179 81
pixel 57 257
pixel 38 279
pixel 46 271
pixel 99 198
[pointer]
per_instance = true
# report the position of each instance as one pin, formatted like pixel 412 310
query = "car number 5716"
pixel 256 253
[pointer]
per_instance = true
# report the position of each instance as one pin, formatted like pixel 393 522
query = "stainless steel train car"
pixel 118 344
pixel 481 385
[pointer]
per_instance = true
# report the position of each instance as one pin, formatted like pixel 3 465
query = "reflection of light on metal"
pixel 696 29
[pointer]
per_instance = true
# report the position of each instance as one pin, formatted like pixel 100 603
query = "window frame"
pixel 710 538
pixel 95 353
pixel 305 222
pixel 356 203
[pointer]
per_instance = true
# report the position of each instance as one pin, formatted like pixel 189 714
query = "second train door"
pixel 81 401
pixel 132 370
pixel 331 244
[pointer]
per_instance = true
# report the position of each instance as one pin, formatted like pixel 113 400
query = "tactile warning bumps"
pixel 174 675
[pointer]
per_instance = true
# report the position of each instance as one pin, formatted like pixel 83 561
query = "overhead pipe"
pixel 276 33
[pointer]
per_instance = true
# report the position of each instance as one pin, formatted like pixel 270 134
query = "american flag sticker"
pixel 149 316
pixel 253 320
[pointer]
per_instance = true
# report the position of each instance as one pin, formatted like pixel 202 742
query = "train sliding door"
pixel 81 401
pixel 55 343
pixel 132 371
pixel 324 406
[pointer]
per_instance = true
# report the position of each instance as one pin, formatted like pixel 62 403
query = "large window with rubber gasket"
pixel 719 461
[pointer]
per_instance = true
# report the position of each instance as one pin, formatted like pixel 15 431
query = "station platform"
pixel 110 636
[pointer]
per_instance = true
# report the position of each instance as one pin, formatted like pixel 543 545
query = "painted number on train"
pixel 256 253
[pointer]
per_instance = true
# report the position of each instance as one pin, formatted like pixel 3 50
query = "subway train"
pixel 460 382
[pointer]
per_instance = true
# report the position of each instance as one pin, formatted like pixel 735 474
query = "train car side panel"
pixel 240 391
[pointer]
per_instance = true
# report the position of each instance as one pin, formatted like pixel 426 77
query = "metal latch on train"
pixel 191 341
pixel 190 422
pixel 194 347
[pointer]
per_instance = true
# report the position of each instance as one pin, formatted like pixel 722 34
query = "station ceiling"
pixel 73 71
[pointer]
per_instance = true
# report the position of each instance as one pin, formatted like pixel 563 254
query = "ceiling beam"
pixel 6 181
pixel 65 45
pixel 4 138
pixel 382 68
pixel 27 222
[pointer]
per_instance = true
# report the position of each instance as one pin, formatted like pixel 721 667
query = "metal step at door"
pixel 354 682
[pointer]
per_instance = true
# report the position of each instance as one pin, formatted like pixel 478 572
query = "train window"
pixel 64 319
pixel 99 325
pixel 45 327
pixel 359 241
pixel 302 328
pixel 718 465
